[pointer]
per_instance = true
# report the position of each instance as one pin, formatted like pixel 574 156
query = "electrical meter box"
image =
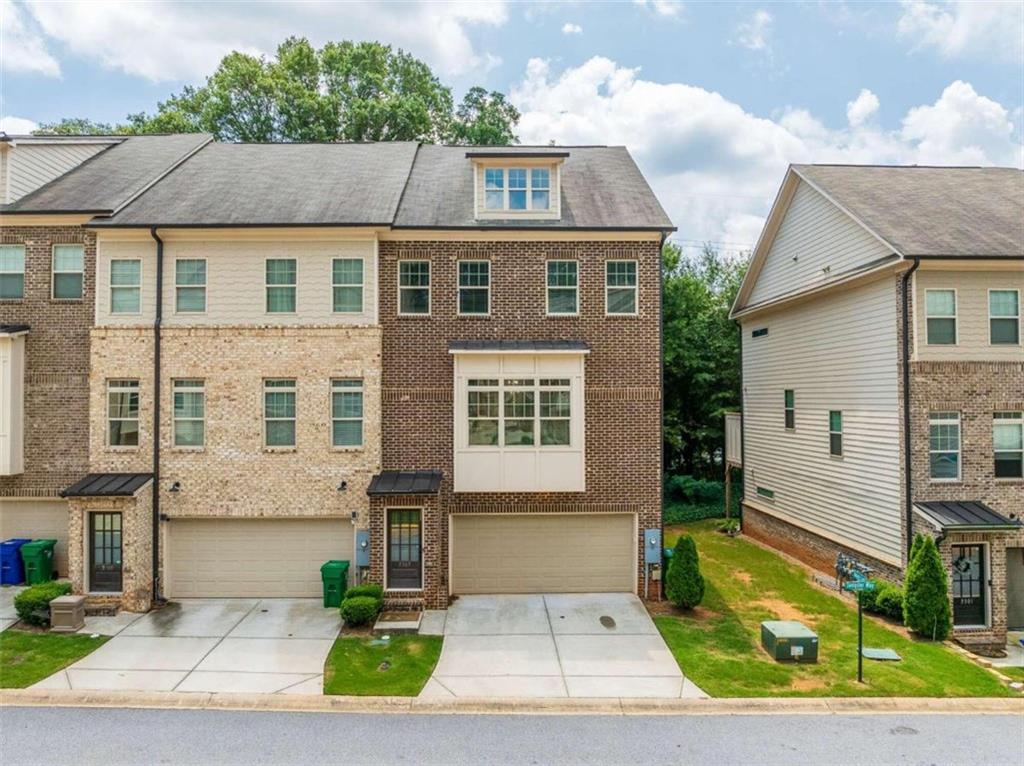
pixel 789 640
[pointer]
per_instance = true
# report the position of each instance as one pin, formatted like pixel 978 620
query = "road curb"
pixel 468 705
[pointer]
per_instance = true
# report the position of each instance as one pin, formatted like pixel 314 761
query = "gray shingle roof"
pixel 110 178
pixel 932 211
pixel 278 184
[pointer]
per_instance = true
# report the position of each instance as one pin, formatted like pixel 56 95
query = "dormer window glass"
pixel 517 189
pixel 540 191
pixel 494 180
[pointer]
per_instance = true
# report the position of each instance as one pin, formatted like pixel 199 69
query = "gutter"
pixel 908 510
pixel 661 424
pixel 157 321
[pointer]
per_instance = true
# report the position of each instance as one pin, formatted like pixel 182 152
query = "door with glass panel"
pixel 969 585
pixel 104 552
pixel 404 552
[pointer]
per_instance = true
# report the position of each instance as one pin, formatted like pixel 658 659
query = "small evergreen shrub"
pixel 926 609
pixel 33 603
pixel 373 591
pixel 359 610
pixel 684 584
pixel 886 599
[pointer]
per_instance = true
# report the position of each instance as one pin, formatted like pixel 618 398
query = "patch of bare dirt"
pixel 783 610
pixel 807 684
pixel 660 608
pixel 743 576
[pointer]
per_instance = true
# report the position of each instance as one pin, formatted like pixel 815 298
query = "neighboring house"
pixel 373 352
pixel 866 282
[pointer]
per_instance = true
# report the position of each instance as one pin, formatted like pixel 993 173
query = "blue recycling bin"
pixel 11 570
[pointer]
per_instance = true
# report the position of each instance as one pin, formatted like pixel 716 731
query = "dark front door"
pixel 969 585
pixel 404 565
pixel 104 551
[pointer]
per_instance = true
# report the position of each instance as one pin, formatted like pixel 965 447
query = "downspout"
pixel 743 430
pixel 157 320
pixel 661 421
pixel 908 509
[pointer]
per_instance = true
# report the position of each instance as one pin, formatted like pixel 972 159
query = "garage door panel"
pixel 543 553
pixel 253 557
pixel 38 519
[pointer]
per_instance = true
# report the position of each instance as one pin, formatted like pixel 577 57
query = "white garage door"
pixel 253 557
pixel 38 519
pixel 538 553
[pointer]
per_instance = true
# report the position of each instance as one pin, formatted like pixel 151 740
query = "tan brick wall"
pixel 56 364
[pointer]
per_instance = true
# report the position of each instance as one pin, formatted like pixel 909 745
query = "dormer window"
pixel 517 189
pixel 517 184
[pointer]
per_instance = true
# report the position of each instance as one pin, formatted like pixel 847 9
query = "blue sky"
pixel 713 99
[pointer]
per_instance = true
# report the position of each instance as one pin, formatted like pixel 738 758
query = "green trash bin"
pixel 335 578
pixel 38 559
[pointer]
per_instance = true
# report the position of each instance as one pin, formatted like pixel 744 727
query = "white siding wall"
pixel 972 313
pixel 815 235
pixel 235 281
pixel 30 166
pixel 838 352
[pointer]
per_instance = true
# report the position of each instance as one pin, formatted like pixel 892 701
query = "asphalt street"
pixel 33 735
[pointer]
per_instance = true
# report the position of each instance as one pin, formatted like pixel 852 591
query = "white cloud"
pixel 755 33
pixel 568 28
pixel 161 40
pixel 716 167
pixel 17 125
pixel 965 27
pixel 672 9
pixel 22 48
pixel 862 109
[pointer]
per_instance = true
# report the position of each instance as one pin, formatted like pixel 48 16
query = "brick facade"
pixel 622 388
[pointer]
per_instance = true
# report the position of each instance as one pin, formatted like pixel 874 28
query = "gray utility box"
pixel 67 614
pixel 789 640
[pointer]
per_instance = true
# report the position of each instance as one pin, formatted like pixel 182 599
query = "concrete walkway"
pixel 210 645
pixel 559 645
pixel 8 615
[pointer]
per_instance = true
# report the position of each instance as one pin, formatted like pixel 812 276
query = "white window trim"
pixel 955 317
pixel 54 272
pixel 430 287
pixel 959 448
pixel 266 287
pixel 205 286
pixel 24 257
pixel 137 388
pixel 1018 421
pixel 294 419
pixel 608 288
pixel 840 433
pixel 113 287
pixel 505 208
pixel 361 285
pixel 786 410
pixel 538 421
pixel 201 389
pixel 360 420
pixel 990 317
pixel 459 288
pixel 387 552
pixel 548 289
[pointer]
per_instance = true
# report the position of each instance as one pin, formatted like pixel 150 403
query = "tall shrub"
pixel 926 609
pixel 684 584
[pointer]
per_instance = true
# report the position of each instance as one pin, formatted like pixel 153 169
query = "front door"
pixel 105 552
pixel 404 564
pixel 969 585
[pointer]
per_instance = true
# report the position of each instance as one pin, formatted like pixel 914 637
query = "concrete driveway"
pixel 8 615
pixel 559 645
pixel 211 645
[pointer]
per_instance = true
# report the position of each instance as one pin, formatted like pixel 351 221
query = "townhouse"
pixel 883 377
pixel 438 363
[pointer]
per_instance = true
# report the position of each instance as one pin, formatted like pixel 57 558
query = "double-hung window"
pixel 620 287
pixel 282 276
pixel 122 413
pixel 520 404
pixel 125 285
pixel 494 188
pixel 12 272
pixel 474 287
pixel 190 285
pixel 414 287
pixel 563 287
pixel 555 411
pixel 940 317
pixel 517 189
pixel 1004 317
pixel 68 272
pixel 789 408
pixel 835 433
pixel 347 413
pixel 519 412
pixel 540 189
pixel 347 285
pixel 279 413
pixel 944 446
pixel 1008 443
pixel 189 413
pixel 483 397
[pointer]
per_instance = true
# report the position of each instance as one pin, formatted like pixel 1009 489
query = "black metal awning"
pixel 570 346
pixel 405 483
pixel 964 514
pixel 13 329
pixel 108 485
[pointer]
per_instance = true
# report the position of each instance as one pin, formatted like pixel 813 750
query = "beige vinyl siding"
pixel 838 352
pixel 972 313
pixel 5 153
pixel 38 520
pixel 235 281
pixel 31 166
pixel 819 236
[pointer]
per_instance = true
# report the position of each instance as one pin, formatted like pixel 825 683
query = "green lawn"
pixel 29 657
pixel 718 645
pixel 401 668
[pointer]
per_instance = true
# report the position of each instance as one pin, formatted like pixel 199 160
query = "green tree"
pixel 926 609
pixel 684 584
pixel 485 119
pixel 77 126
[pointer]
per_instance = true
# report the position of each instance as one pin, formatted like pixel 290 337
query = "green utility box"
pixel 335 577
pixel 789 640
pixel 38 559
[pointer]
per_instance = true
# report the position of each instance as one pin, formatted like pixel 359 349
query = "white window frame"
pixel 137 287
pixel 548 288
pixel 955 316
pixel 54 271
pixel 187 386
pixel 429 287
pixel 338 387
pixel 361 285
pixel 460 287
pixel 501 386
pixel 203 286
pixel 22 272
pixel 1012 418
pixel 294 391
pixel 120 386
pixel 528 189
pixel 786 409
pixel 935 419
pixel 991 317
pixel 838 433
pixel 608 288
pixel 267 286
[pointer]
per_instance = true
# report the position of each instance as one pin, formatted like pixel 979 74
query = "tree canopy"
pixel 345 91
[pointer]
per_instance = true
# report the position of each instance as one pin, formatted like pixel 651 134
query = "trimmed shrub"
pixel 926 609
pixel 373 591
pixel 359 610
pixel 33 603
pixel 684 584
pixel 885 599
